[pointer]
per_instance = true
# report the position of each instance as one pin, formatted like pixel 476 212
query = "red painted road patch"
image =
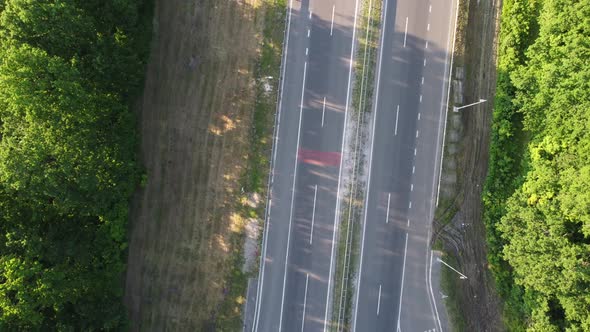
pixel 319 158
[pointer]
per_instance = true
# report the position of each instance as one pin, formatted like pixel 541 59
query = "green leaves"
pixel 68 71
pixel 61 142
pixel 545 221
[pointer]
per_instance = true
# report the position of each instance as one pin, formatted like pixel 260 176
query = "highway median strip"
pixel 353 197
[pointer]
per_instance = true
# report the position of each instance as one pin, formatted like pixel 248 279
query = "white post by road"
pixel 456 109
pixel 461 275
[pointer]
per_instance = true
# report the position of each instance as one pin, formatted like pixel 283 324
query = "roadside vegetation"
pixel 255 177
pixel 536 197
pixel 69 71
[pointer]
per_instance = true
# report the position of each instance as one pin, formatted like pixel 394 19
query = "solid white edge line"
pixel 336 216
pixel 383 26
pixel 315 195
pixel 432 292
pixel 379 300
pixel 260 286
pixel 401 293
pixel 292 198
pixel 304 301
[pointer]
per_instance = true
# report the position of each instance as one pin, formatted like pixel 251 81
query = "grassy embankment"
pixel 449 204
pixel 254 178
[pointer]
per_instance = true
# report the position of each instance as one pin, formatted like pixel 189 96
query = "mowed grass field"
pixel 205 138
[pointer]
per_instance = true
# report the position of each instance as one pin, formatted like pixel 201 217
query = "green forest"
pixel 69 72
pixel 537 194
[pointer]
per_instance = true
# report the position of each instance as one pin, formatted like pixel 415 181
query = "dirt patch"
pixel 195 123
pixel 459 225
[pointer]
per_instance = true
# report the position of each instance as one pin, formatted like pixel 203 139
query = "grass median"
pixel 352 202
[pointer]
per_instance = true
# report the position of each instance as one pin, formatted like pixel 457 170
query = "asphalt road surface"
pixel 394 291
pixel 298 242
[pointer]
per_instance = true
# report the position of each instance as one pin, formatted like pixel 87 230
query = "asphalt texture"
pixel 298 241
pixel 394 291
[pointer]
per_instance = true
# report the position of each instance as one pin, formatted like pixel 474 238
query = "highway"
pixel 297 263
pixel 394 291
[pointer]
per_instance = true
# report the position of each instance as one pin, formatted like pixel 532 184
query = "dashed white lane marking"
pixel 310 12
pixel 430 8
pixel 415 151
pixel 401 293
pixel 292 196
pixel 426 43
pixel 396 118
pixel 424 62
pixel 406 33
pixel 304 301
pixel 428 27
pixel 420 98
pixel 309 32
pixel 418 116
pixel 379 300
pixel 422 80
pixel 332 24
pixel 387 214
pixel 412 187
pixel 417 133
pixel 306 50
pixel 410 205
pixel 323 111
pixel 408 222
pixel 315 195
pixel 413 169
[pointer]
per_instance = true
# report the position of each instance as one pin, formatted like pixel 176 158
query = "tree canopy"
pixel 69 69
pixel 544 224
